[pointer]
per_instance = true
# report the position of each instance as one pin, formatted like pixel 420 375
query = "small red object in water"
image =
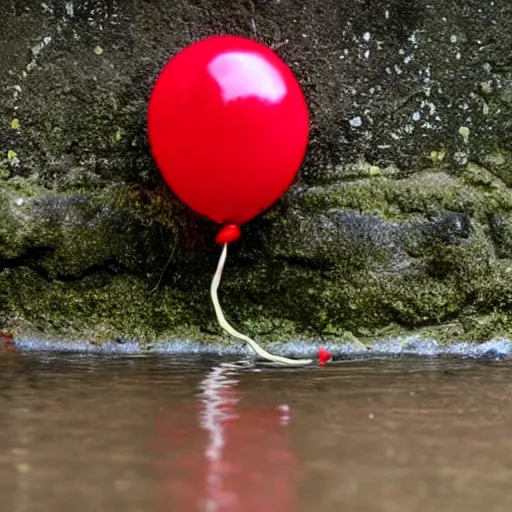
pixel 323 356
pixel 6 342
pixel 228 234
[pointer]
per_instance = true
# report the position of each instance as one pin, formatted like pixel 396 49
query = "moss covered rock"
pixel 400 221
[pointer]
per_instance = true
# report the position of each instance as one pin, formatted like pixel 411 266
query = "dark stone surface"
pixel 400 221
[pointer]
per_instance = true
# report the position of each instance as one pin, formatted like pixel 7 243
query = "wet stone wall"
pixel 400 221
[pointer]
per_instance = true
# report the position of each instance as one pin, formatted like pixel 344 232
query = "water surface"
pixel 163 433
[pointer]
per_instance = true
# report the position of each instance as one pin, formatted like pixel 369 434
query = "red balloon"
pixel 228 127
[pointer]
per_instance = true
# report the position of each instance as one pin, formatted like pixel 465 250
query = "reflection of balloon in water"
pixel 246 462
pixel 228 128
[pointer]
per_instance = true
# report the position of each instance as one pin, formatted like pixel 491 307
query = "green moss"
pixel 85 265
pixel 499 161
pixel 99 308
pixel 4 171
pixel 501 232
pixel 350 298
pixel 475 192
pixel 300 303
pixel 69 232
pixel 15 224
pixel 487 326
pixel 358 289
pixel 105 306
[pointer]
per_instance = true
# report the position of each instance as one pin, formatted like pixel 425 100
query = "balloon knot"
pixel 323 356
pixel 229 233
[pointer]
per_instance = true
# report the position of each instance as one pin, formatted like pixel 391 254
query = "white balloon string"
pixel 253 346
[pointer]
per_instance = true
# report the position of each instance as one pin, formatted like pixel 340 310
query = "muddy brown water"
pixel 156 433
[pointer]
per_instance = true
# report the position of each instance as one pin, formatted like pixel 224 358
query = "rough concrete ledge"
pixel 410 346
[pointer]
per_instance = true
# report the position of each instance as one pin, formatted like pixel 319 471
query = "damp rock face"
pixel 400 221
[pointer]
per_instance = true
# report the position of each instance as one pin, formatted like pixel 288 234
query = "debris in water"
pixel 323 356
pixel 6 342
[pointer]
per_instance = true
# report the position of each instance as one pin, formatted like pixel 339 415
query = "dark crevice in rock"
pixel 27 259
